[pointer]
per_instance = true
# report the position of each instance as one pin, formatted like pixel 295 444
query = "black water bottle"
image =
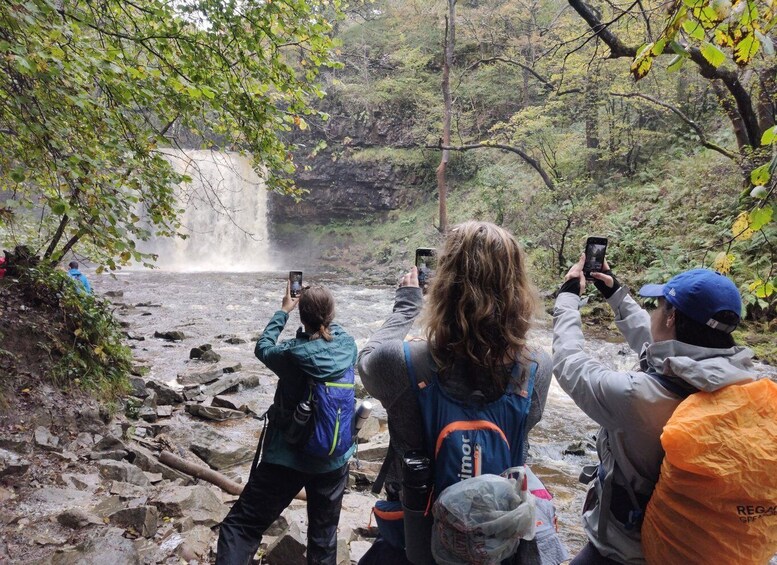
pixel 299 429
pixel 417 483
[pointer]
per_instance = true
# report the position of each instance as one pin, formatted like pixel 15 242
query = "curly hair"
pixel 480 302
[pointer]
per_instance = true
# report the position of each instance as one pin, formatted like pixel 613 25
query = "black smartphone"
pixel 595 248
pixel 426 262
pixel 295 283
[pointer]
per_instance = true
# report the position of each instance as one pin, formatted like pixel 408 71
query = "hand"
pixel 289 303
pixel 575 275
pixel 410 279
pixel 605 282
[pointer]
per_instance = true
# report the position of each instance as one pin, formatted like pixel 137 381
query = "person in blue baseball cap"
pixel 684 345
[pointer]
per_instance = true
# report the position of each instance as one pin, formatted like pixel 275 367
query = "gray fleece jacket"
pixel 632 407
pixel 383 371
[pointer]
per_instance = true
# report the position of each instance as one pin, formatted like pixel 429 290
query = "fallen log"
pixel 207 474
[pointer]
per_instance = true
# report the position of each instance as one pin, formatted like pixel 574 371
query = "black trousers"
pixel 270 489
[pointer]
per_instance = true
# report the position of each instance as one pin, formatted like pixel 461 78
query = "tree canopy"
pixel 92 94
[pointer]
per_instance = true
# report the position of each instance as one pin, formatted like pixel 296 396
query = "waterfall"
pixel 224 218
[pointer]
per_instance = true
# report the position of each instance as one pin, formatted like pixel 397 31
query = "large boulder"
pixel 198 502
pixel 216 449
pixel 123 472
pixel 107 546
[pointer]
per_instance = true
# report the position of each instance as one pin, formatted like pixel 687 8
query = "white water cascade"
pixel 225 216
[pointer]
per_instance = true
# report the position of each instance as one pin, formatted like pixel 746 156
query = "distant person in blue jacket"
pixel 79 276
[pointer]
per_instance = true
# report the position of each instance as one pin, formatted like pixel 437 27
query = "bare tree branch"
pixel 696 128
pixel 532 162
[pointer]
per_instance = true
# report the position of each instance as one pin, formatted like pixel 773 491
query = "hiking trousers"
pixel 270 489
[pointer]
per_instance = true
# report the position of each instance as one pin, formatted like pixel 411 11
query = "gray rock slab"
pixel 107 547
pixel 142 519
pixel 82 481
pixel 138 387
pixel 232 383
pixel 217 450
pixel 198 502
pixel 214 413
pixel 165 393
pixel 46 440
pixel 287 549
pixel 11 463
pixel 200 377
pixel 122 471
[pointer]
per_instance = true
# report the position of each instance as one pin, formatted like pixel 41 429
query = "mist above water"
pixel 224 218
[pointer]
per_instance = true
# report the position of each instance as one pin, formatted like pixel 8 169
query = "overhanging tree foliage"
pixel 729 43
pixel 89 92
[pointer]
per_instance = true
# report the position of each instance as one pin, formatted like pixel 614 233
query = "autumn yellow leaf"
pixel 723 262
pixel 741 227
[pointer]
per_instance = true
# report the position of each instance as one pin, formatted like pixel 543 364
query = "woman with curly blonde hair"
pixel 479 309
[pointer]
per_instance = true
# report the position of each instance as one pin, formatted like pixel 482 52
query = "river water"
pixel 208 307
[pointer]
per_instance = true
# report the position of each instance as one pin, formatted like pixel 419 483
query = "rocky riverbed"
pixel 80 483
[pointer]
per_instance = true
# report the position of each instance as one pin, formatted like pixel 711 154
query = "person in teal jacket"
pixel 320 350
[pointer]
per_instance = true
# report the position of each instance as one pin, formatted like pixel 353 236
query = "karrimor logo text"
pixel 466 459
pixel 753 512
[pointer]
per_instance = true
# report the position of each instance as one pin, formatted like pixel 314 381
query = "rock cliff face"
pixel 340 184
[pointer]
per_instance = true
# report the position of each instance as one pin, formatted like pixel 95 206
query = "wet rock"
pixel 134 337
pixel 122 471
pixel 198 502
pixel 81 481
pixel 77 518
pixel 216 449
pixel 138 387
pixel 164 411
pixel 143 519
pixel 369 429
pixel 210 357
pixel 170 335
pixel 233 368
pixel 46 440
pixel 148 413
pixel 235 340
pixel 358 548
pixel 12 464
pixel 200 377
pixel 139 370
pixel 165 393
pixel 578 448
pixel 223 402
pixel 196 542
pixel 127 490
pixel 214 412
pixel 287 549
pixel 108 546
pixel 232 383
pixel 108 506
pixel 193 392
pixel 114 293
pixel 18 444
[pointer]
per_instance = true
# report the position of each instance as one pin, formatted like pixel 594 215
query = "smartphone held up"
pixel 295 283
pixel 595 249
pixel 426 263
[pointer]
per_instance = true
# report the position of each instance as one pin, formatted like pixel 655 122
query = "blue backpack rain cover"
pixel 466 440
pixel 333 413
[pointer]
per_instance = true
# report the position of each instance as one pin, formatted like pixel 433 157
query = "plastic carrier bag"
pixel 716 495
pixel 482 520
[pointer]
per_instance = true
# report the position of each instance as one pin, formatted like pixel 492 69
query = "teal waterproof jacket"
pixel 294 361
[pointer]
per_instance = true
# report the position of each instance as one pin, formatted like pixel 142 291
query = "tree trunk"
pixel 442 182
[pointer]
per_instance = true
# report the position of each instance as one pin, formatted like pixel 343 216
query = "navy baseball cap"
pixel 699 294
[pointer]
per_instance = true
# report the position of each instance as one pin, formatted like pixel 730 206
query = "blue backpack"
pixel 466 440
pixel 333 415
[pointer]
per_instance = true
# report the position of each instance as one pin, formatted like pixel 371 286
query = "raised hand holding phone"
pixel 295 282
pixel 426 263
pixel 289 302
pixel 595 249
